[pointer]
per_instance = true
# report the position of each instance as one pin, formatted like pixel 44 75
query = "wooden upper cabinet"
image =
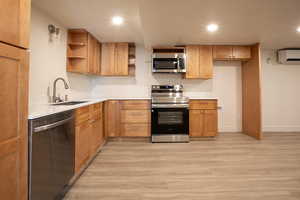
pixel 94 49
pixel 83 52
pixel 121 58
pixel 229 52
pixel 115 59
pixel 15 22
pixel 193 62
pixel 108 59
pixel 199 62
pixel 14 67
pixel 222 52
pixel 241 52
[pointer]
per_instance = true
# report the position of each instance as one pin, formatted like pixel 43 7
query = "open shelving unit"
pixel 77 50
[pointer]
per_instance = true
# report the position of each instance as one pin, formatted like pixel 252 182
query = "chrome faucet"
pixel 54 97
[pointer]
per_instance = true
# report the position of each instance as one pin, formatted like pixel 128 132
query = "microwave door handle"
pixel 178 64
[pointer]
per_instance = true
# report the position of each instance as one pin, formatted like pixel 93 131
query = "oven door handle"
pixel 50 126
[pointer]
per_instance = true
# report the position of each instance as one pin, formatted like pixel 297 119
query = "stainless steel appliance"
pixel 51 155
pixel 169 61
pixel 169 114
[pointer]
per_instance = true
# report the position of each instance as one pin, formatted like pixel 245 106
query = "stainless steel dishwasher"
pixel 51 155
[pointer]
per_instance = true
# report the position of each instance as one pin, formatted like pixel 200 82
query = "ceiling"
pixel 273 23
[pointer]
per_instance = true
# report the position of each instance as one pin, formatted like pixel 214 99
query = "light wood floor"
pixel 233 167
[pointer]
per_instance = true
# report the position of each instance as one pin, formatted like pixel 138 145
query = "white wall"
pixel 226 86
pixel 280 94
pixel 48 61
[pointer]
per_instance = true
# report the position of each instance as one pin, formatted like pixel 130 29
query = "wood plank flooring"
pixel 233 167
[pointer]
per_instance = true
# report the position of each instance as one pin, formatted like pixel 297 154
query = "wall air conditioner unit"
pixel 289 56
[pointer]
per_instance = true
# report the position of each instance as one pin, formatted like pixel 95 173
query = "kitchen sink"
pixel 69 103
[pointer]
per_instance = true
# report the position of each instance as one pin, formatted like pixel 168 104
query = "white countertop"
pixel 41 110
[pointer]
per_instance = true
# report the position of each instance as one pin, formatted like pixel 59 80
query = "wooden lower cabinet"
pixel 82 144
pixel 203 122
pixel 127 118
pixel 14 68
pixel 89 135
pixel 96 137
pixel 112 118
pixel 135 130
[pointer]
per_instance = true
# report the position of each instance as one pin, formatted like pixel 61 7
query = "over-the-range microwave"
pixel 169 62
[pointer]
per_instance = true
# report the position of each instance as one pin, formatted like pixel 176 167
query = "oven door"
pixel 170 121
pixel 165 64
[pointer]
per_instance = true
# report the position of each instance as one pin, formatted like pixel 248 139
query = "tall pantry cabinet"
pixel 14 64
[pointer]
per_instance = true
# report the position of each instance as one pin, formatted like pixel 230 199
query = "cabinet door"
pixel 193 62
pixel 121 59
pixel 112 119
pixel 82 144
pixel 108 59
pixel 15 22
pixel 206 62
pixel 222 52
pixel 210 123
pixel 196 123
pixel 91 54
pixel 13 123
pixel 96 138
pixel 241 52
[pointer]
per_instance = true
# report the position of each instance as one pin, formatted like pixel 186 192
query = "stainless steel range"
pixel 170 114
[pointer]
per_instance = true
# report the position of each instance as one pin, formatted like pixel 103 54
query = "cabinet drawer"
pixel 82 115
pixel 135 130
pixel 135 116
pixel 203 104
pixel 135 105
pixel 96 111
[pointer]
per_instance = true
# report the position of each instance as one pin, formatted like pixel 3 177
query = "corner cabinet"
pixel 127 118
pixel 199 62
pixel 203 118
pixel 118 59
pixel 83 52
pixel 14 66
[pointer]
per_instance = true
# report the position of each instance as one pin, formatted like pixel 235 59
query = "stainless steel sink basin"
pixel 69 103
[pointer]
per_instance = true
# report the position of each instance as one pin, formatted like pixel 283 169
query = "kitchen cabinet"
pixel 83 52
pixel 117 59
pixel 88 133
pixel 203 118
pixel 135 118
pixel 229 52
pixel 112 118
pixel 15 22
pixel 14 66
pixel 127 118
pixel 82 145
pixel 97 135
pixel 199 62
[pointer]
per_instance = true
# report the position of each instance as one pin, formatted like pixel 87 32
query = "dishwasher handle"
pixel 50 126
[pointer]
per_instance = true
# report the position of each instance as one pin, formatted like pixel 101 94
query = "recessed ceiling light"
pixel 298 29
pixel 212 27
pixel 117 20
